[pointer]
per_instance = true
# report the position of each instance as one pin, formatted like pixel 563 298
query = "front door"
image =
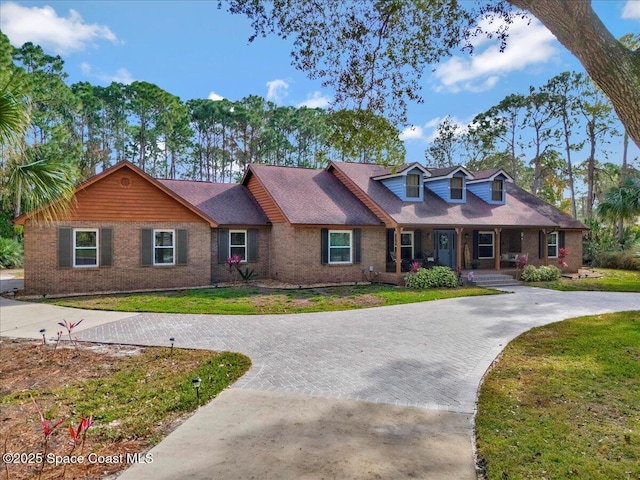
pixel 445 247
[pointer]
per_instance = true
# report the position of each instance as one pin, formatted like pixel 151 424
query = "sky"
pixel 192 49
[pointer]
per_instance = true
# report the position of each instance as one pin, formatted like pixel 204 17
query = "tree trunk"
pixel 615 68
pixel 591 172
pixel 623 176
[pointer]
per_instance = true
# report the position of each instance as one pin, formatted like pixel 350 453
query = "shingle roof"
pixel 520 209
pixel 224 203
pixel 313 197
pixel 484 174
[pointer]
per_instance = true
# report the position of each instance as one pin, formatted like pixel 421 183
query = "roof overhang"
pixel 490 178
pixel 128 165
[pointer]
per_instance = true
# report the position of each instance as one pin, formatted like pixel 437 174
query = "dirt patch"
pixel 31 370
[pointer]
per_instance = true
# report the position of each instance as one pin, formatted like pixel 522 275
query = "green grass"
pixel 564 402
pixel 254 300
pixel 141 392
pixel 612 281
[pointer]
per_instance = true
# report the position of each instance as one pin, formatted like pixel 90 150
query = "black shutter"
pixel 182 247
pixel 476 248
pixel 223 245
pixel 324 246
pixel 64 247
pixel 417 240
pixel 106 247
pixel 390 234
pixel 561 239
pixel 541 245
pixel 252 245
pixel 357 250
pixel 146 247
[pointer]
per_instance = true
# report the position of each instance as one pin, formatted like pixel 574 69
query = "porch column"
pixel 459 247
pixel 398 251
pixel 498 243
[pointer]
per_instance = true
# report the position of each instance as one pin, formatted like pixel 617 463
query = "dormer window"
pixel 456 186
pixel 413 185
pixel 497 190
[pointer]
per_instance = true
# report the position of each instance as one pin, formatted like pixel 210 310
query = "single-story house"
pixel 348 222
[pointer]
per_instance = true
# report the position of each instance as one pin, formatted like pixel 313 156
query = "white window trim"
pixel 350 247
pixel 451 189
pixel 501 190
pixel 245 245
pixel 549 244
pixel 493 244
pixel 406 185
pixel 96 248
pixel 413 243
pixel 173 246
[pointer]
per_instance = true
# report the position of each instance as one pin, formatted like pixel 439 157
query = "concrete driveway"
pixel 379 393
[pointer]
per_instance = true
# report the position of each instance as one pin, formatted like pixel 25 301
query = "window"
pixel 552 245
pixel 164 247
pixel 238 244
pixel 406 245
pixel 497 190
pixel 339 246
pixel 456 188
pixel 85 247
pixel 413 186
pixel 485 244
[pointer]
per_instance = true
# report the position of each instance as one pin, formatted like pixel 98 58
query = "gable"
pixel 123 196
pixel 124 193
pixel 266 202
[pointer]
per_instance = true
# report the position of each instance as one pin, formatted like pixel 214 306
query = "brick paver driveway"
pixel 430 355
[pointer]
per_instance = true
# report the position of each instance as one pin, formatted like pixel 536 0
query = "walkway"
pixel 379 393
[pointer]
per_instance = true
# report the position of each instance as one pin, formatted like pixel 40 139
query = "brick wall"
pixel 296 258
pixel 573 244
pixel 220 272
pixel 43 276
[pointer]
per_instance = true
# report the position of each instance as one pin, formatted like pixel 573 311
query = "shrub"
pixel 542 274
pixel 530 274
pixel 626 260
pixel 549 273
pixel 10 253
pixel 432 278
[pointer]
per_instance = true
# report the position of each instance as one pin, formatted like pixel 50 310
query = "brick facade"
pixel 296 255
pixel 43 276
pixel 220 271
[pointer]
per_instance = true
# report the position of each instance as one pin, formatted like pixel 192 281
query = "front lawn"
pixel 563 401
pixel 256 300
pixel 134 395
pixel 612 281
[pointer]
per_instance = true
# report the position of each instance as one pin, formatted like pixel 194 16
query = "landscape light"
pixel 196 384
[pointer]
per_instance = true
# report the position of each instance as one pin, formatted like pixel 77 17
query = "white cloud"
pixel 428 132
pixel 412 133
pixel 215 97
pixel 529 43
pixel 316 100
pixel 122 75
pixel 631 10
pixel 277 90
pixel 44 27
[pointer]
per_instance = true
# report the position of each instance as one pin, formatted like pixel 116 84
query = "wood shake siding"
pixel 268 205
pixel 124 196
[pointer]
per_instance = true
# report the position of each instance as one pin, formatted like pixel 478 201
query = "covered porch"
pixel 464 248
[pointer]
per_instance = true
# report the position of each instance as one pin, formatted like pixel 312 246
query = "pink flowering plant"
pixel 562 255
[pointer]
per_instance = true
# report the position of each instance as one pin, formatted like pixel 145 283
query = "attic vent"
pixel 125 182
